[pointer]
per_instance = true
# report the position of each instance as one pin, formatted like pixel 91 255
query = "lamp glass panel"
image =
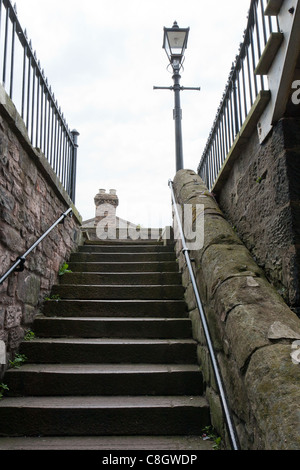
pixel 176 40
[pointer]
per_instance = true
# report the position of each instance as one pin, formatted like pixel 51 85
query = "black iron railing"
pixel 26 84
pixel 242 89
pixel 20 261
pixel 214 361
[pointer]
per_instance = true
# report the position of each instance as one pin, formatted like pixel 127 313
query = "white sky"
pixel 102 58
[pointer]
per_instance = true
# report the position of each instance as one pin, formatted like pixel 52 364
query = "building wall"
pixel 31 200
pixel 261 198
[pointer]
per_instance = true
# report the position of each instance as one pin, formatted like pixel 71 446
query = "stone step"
pixel 111 351
pixel 112 248
pixel 113 327
pixel 121 267
pixel 105 443
pixel 120 278
pixel 119 292
pixel 103 416
pixel 104 379
pixel 121 257
pixel 112 358
pixel 116 308
pixel 126 242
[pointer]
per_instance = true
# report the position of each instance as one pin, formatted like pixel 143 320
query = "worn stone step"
pixel 105 443
pixel 113 327
pixel 101 350
pixel 119 292
pixel 121 257
pixel 112 248
pixel 104 379
pixel 121 267
pixel 116 308
pixel 120 278
pixel 103 416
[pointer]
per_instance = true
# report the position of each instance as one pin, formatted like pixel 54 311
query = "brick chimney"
pixel 106 205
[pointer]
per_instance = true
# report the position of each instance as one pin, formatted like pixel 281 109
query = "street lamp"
pixel 175 43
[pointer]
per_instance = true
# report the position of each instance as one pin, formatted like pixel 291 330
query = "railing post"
pixel 75 135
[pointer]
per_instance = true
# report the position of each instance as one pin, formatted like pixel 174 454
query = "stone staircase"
pixel 113 364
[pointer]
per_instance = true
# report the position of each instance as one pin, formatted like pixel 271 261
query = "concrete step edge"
pixel 75 368
pixel 105 402
pixel 107 443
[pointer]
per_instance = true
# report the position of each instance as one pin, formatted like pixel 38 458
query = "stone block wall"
pixel 31 200
pixel 261 198
pixel 253 331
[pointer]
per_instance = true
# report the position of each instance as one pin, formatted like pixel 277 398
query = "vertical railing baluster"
pixel 12 60
pixel 5 47
pixel 232 114
pixel 45 123
pixel 51 138
pixel 254 65
pixel 249 77
pixel 239 101
pixel 51 149
pixel 23 83
pixel 60 152
pixel 54 139
pixel 222 140
pixel 28 91
pixel 244 90
pixel 32 105
pixel 259 50
pixel 1 17
pixel 264 24
pixel 37 123
pixel 42 115
pixel 48 130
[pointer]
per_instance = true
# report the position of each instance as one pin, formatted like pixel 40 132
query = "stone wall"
pixel 260 196
pixel 253 331
pixel 31 200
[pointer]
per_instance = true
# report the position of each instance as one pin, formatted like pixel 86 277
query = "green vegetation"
pixel 18 361
pixel 53 297
pixel 209 433
pixel 64 269
pixel 3 388
pixel 29 335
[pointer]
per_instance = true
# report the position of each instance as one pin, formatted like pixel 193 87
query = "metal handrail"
pixel 19 264
pixel 227 413
pixel 26 84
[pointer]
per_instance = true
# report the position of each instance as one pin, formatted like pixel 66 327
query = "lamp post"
pixel 175 43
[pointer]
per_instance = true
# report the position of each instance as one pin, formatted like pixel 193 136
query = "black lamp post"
pixel 175 43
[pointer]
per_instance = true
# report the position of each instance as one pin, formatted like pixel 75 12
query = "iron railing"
pixel 242 89
pixel 24 81
pixel 20 261
pixel 214 361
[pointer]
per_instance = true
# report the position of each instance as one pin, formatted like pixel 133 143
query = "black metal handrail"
pixel 242 89
pixel 19 264
pixel 224 401
pixel 26 84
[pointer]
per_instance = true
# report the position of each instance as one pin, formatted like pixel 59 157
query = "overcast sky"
pixel 102 58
